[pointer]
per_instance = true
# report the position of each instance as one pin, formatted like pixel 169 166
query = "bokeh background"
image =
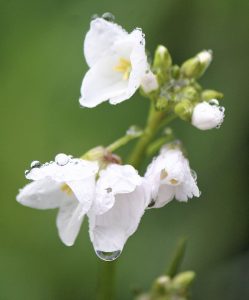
pixel 42 67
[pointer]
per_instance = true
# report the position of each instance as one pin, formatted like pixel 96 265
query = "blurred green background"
pixel 42 67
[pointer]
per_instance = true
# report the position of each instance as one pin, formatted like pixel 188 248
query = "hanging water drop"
pixel 194 175
pixel 93 17
pixel 108 17
pixel 134 131
pixel 61 159
pixel 108 256
pixel 35 164
pixel 214 102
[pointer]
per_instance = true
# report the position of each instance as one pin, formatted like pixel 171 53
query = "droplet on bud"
pixel 108 256
pixel 35 164
pixel 134 131
pixel 61 159
pixel 108 17
pixel 93 17
pixel 213 102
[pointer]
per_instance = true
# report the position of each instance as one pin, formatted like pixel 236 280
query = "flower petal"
pixel 75 169
pixel 69 220
pixel 134 45
pixel 42 194
pixel 102 82
pixel 100 39
pixel 84 191
pixel 109 231
pixel 115 179
pixel 166 193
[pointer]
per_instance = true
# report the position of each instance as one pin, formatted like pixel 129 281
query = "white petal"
pixel 110 230
pixel 149 82
pixel 115 179
pixel 84 191
pixel 133 47
pixel 75 169
pixel 100 39
pixel 102 82
pixel 165 195
pixel 69 220
pixel 42 194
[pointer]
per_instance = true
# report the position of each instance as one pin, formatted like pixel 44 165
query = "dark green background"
pixel 42 67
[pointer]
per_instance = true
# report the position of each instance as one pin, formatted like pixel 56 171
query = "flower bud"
pixel 184 109
pixel 149 83
pixel 162 58
pixel 162 103
pixel 196 66
pixel 161 64
pixel 207 95
pixel 190 93
pixel 208 115
pixel 161 286
pixel 175 71
pixel 183 280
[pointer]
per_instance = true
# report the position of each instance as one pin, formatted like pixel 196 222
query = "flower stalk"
pixel 106 280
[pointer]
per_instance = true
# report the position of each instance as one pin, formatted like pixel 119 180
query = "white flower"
pixel 121 198
pixel 149 82
pixel 208 115
pixel 68 184
pixel 169 176
pixel 117 62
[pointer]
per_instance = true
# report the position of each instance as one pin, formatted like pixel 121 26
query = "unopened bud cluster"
pixel 166 288
pixel 174 89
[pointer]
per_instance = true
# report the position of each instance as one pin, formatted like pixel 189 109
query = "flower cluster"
pixel 113 196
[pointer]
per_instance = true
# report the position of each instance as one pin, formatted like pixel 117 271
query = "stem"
pixel 177 258
pixel 153 122
pixel 106 281
pixel 123 141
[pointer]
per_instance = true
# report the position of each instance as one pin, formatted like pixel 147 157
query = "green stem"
pixel 177 258
pixel 123 141
pixel 106 280
pixel 153 122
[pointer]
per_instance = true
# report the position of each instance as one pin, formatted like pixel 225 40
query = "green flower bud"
pixel 161 286
pixel 175 71
pixel 162 103
pixel 207 95
pixel 190 93
pixel 161 64
pixel 183 280
pixel 184 109
pixel 196 66
pixel 162 58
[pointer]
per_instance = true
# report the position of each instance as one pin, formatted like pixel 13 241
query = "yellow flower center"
pixel 65 188
pixel 123 66
pixel 173 181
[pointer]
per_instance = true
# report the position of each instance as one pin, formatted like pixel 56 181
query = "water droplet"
pixel 214 102
pixel 61 159
pixel 109 190
pixel 93 17
pixel 108 17
pixel 194 175
pixel 35 164
pixel 134 131
pixel 108 256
